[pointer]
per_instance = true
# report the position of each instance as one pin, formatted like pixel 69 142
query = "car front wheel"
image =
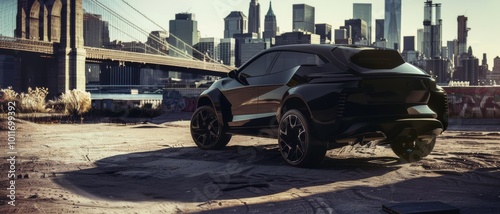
pixel 206 129
pixel 297 145
pixel 414 150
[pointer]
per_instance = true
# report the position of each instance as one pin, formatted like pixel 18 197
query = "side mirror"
pixel 232 74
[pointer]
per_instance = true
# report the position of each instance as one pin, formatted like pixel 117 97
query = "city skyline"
pixel 213 13
pixel 210 15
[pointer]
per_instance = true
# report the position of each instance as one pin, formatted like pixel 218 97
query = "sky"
pixel 483 16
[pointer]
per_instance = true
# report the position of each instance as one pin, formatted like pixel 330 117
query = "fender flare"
pixel 218 102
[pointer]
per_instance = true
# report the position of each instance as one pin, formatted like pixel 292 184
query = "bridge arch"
pixel 54 7
pixel 21 23
pixel 34 21
pixel 43 22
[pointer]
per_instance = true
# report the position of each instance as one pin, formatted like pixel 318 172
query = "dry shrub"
pixel 76 102
pixel 33 100
pixel 7 94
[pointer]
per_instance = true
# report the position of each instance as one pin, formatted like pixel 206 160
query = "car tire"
pixel 412 151
pixel 207 131
pixel 297 145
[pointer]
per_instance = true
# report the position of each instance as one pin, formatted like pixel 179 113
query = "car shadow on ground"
pixel 190 174
pixel 476 191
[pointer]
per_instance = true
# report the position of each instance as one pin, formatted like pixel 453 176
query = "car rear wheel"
pixel 414 150
pixel 296 143
pixel 206 129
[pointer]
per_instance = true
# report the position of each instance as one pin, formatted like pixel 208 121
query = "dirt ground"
pixel 156 168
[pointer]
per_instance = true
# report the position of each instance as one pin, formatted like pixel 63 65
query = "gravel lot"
pixel 156 168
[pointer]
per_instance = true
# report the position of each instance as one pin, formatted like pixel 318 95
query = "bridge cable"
pixel 171 34
pixel 125 33
pixel 130 24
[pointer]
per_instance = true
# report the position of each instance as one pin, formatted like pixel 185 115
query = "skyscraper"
pixel 483 69
pixel 157 42
pixel 364 12
pixel 462 34
pixel 240 39
pixel 208 49
pixel 392 25
pixel 470 69
pixel 251 48
pixel 325 33
pixel 185 29
pixel 409 54
pixel 234 23
pixel 95 31
pixel 379 29
pixel 227 51
pixel 431 47
pixel 303 18
pixel 485 60
pixel 420 39
pixel 409 43
pixel 496 65
pixel 270 24
pixel 452 49
pixel 341 37
pixel 254 17
pixel 357 30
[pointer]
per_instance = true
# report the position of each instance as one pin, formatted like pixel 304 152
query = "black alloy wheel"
pixel 297 145
pixel 206 130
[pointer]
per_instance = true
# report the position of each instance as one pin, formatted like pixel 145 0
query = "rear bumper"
pixel 382 130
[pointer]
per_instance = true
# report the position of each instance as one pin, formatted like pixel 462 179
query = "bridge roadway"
pixel 100 54
pixel 25 45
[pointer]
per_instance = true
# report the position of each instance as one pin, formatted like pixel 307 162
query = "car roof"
pixel 322 49
pixel 319 47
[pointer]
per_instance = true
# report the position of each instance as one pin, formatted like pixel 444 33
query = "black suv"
pixel 318 97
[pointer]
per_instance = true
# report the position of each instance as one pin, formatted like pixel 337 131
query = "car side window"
pixel 259 66
pixel 288 60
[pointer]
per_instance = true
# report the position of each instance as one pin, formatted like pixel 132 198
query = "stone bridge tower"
pixel 59 22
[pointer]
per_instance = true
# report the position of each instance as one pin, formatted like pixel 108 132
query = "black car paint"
pixel 335 95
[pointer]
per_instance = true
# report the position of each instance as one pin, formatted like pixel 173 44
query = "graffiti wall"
pixel 474 102
pixel 176 101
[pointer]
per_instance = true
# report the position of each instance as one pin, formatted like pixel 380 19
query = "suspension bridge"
pixel 50 42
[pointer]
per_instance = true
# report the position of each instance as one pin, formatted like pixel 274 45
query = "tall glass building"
pixel 185 29
pixel 235 23
pixel 270 24
pixel 420 39
pixel 254 17
pixel 303 18
pixel 392 25
pixel 364 12
pixel 227 49
pixel 462 34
